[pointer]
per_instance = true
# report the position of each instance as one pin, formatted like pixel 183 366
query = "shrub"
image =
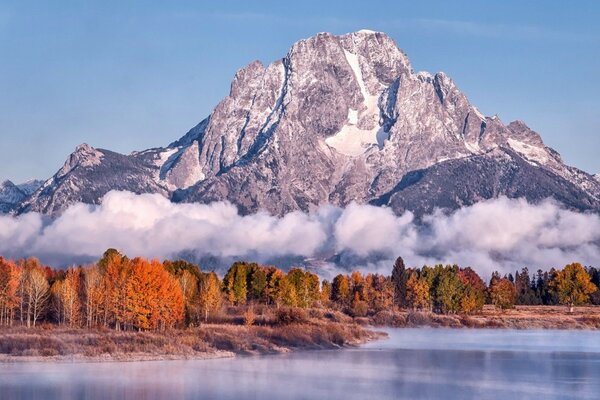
pixel 249 317
pixel 290 315
pixel 418 318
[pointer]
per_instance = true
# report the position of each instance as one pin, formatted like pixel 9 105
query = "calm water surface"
pixel 411 364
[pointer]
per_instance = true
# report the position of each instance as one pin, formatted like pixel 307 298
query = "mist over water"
pixel 412 364
pixel 500 234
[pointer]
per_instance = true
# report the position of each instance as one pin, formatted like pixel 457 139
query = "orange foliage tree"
pixel 66 294
pixel 10 276
pixel 154 299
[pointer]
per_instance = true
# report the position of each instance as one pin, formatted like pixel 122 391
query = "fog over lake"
pixel 411 364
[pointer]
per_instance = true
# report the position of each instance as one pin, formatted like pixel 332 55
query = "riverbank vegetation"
pixel 137 306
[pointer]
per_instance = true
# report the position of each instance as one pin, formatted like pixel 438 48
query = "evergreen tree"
pixel 399 278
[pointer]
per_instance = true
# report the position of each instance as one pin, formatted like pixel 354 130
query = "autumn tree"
pixel 154 299
pixel 503 293
pixel 289 297
pixel 340 290
pixel 189 288
pixel 70 298
pixel 325 292
pixel 358 285
pixel 274 290
pixel 473 296
pixel 235 283
pixel 10 276
pixel 115 269
pixel 35 291
pixel 313 288
pixel 258 283
pixel 382 293
pixel 359 307
pixel 209 295
pixel 417 292
pixel 572 285
pixel 93 291
pixel 306 286
pixel 56 301
pixel 448 289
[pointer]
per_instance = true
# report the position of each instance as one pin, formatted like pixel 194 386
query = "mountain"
pixel 11 194
pixel 338 119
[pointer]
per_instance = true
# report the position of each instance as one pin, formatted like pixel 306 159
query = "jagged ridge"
pixel 338 119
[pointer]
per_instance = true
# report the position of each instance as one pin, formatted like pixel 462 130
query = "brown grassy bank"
pixel 226 337
pixel 521 317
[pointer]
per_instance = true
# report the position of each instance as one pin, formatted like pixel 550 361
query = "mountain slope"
pixel 88 175
pixel 338 119
pixel 11 195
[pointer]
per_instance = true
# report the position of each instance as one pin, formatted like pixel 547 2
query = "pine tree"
pixel 399 279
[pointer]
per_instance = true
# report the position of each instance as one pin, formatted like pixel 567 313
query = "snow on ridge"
pixel 479 113
pixel 530 152
pixel 352 140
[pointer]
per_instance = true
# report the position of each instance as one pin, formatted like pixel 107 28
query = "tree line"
pixel 139 294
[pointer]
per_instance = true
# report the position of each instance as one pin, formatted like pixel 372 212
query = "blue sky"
pixel 132 75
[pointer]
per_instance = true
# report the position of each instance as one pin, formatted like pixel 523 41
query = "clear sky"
pixel 131 75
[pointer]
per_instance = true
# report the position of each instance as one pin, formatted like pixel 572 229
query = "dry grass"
pixel 273 331
pixel 521 317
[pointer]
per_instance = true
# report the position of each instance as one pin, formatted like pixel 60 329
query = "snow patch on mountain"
pixel 337 119
pixel 530 152
pixel 353 140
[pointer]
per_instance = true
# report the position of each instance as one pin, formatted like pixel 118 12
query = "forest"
pixel 137 294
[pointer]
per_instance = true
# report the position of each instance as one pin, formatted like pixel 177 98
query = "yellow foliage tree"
pixel 94 295
pixel 417 292
pixel 572 285
pixel 209 295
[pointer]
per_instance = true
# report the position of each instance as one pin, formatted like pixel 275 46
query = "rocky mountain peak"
pixel 7 184
pixel 339 118
pixel 84 156
pixel 11 194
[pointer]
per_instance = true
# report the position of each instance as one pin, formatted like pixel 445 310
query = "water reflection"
pixel 412 364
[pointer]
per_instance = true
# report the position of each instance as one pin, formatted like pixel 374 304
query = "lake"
pixel 411 364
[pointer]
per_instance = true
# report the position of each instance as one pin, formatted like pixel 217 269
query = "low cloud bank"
pixel 500 234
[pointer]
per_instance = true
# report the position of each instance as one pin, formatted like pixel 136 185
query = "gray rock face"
pixel 456 183
pixel 338 119
pixel 89 174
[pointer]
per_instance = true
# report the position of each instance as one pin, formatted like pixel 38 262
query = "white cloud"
pixel 500 234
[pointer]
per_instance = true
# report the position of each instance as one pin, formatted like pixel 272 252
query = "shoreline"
pixel 117 358
pixel 49 343
pixel 210 341
pixel 521 317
